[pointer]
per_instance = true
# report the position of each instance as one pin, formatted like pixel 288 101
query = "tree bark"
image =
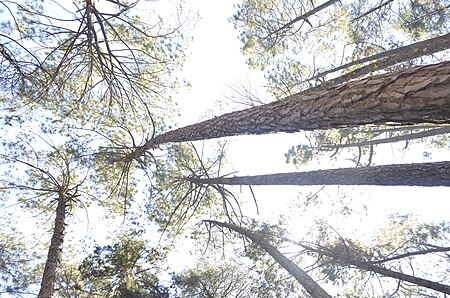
pixel 388 58
pixel 411 96
pixel 402 276
pixel 54 253
pixel 301 276
pixel 367 266
pixel 372 10
pixel 305 16
pixel 412 253
pixel 407 137
pixel 421 174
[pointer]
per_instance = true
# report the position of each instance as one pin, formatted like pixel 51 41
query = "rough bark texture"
pixel 301 276
pixel 421 174
pixel 411 96
pixel 54 253
pixel 367 266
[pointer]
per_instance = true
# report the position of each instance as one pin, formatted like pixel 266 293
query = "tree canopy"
pixel 104 194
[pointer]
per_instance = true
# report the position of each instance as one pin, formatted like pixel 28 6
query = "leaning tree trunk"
pixel 414 95
pixel 305 16
pixel 301 276
pixel 385 59
pixel 407 137
pixel 421 174
pixel 54 252
pixel 347 260
pixel 402 276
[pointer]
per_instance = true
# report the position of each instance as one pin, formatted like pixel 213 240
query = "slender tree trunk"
pixel 386 59
pixel 367 266
pixel 412 253
pixel 54 253
pixel 402 276
pixel 411 96
pixel 372 10
pixel 288 25
pixel 9 58
pixel 421 174
pixel 411 136
pixel 301 276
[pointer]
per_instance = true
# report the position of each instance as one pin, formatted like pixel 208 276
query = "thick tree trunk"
pixel 54 252
pixel 347 260
pixel 411 96
pixel 301 276
pixel 421 174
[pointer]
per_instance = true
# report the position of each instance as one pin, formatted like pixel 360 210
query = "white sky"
pixel 215 61
pixel 215 65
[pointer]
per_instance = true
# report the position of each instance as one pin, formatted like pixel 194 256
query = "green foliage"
pixel 302 154
pixel 401 246
pixel 272 233
pixel 214 280
pixel 226 278
pixel 97 56
pixel 269 279
pixel 127 268
pixel 36 168
pixel 424 18
pixel 274 281
pixel 174 200
pixel 360 143
pixel 18 265
pixel 294 51
pixel 407 232
pixel 98 71
pixel 82 84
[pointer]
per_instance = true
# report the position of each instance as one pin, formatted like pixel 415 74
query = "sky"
pixel 215 61
pixel 216 66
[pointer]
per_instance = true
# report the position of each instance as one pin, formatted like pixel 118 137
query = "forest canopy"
pixel 119 177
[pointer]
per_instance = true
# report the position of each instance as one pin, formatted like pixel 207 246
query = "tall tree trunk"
pixel 386 59
pixel 411 96
pixel 407 137
pixel 402 276
pixel 367 266
pixel 372 10
pixel 305 16
pixel 54 252
pixel 301 276
pixel 421 174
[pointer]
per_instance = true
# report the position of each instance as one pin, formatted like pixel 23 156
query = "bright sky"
pixel 214 67
pixel 215 61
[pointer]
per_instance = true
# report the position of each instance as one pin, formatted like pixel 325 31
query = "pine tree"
pixel 420 174
pixel 411 96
